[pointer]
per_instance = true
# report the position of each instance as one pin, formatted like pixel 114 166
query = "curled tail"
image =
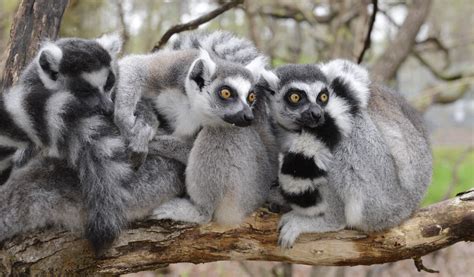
pixel 220 44
pixel 98 152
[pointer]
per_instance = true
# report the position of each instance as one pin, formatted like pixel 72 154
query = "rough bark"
pixel 34 21
pixel 400 47
pixel 153 244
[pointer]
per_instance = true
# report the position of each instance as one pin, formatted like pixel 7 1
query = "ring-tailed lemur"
pixel 354 154
pixel 168 78
pixel 47 192
pixel 68 79
pixel 205 81
pixel 62 106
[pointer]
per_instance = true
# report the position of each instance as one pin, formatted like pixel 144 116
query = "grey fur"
pixel 230 169
pixel 48 193
pixel 378 173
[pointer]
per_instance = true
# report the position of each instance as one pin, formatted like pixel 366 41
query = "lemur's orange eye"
pixel 295 98
pixel 225 93
pixel 324 97
pixel 251 98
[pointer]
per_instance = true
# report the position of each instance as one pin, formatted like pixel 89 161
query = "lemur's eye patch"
pixel 225 93
pixel 294 97
pixel 251 97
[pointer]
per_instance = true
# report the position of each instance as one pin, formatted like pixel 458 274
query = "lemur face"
pixel 301 97
pixel 85 68
pixel 221 92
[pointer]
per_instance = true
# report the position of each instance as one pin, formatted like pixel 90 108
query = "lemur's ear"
pixel 269 81
pixel 353 75
pixel 257 66
pixel 112 43
pixel 49 59
pixel 202 69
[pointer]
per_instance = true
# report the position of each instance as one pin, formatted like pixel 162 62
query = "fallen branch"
pixel 195 23
pixel 154 244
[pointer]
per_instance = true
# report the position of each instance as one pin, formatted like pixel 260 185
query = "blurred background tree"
pixel 423 48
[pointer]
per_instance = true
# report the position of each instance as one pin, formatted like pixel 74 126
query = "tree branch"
pixel 396 53
pixel 34 21
pixel 195 23
pixel 369 31
pixel 153 244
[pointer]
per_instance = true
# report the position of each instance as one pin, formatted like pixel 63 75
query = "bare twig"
pixel 123 26
pixel 421 267
pixel 369 31
pixel 195 23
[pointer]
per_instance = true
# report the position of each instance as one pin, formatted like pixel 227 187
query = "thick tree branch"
pixel 195 23
pixel 153 244
pixel 34 21
pixel 396 53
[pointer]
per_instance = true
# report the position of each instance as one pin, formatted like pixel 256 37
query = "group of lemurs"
pixel 203 130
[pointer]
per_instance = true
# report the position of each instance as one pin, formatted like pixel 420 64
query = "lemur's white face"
pixel 221 93
pixel 84 68
pixel 300 105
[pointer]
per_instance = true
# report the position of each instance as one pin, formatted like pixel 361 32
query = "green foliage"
pixel 444 161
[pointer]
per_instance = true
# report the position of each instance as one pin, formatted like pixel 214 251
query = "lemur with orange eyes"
pixel 354 154
pixel 205 87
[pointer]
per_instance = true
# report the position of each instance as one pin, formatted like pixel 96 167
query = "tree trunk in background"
pixel 400 47
pixel 34 21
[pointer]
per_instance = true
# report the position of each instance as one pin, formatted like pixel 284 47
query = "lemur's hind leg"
pixel 42 193
pixel 182 209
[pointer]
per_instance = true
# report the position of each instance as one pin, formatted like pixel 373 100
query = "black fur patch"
pixel 305 199
pixel 80 55
pixel 197 72
pixel 328 132
pixel 5 174
pixel 342 90
pixel 300 166
pixel 6 151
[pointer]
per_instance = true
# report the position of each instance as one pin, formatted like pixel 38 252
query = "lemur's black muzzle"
pixel 312 117
pixel 242 118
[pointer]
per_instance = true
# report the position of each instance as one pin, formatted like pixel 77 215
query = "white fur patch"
pixel 272 80
pixel 208 62
pixel 112 43
pixel 229 212
pixel 257 66
pixel 312 210
pixel 294 185
pixel 8 142
pixel 97 78
pixel 177 109
pixel 241 85
pixel 340 111
pixel 54 116
pixel 56 54
pixel 14 99
pixel 308 145
pixel 354 211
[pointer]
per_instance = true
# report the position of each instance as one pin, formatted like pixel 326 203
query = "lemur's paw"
pixel 179 210
pixel 290 229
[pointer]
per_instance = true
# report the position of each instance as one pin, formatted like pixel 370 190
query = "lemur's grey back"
pixel 220 44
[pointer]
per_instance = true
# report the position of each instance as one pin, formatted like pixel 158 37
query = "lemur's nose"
pixel 248 117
